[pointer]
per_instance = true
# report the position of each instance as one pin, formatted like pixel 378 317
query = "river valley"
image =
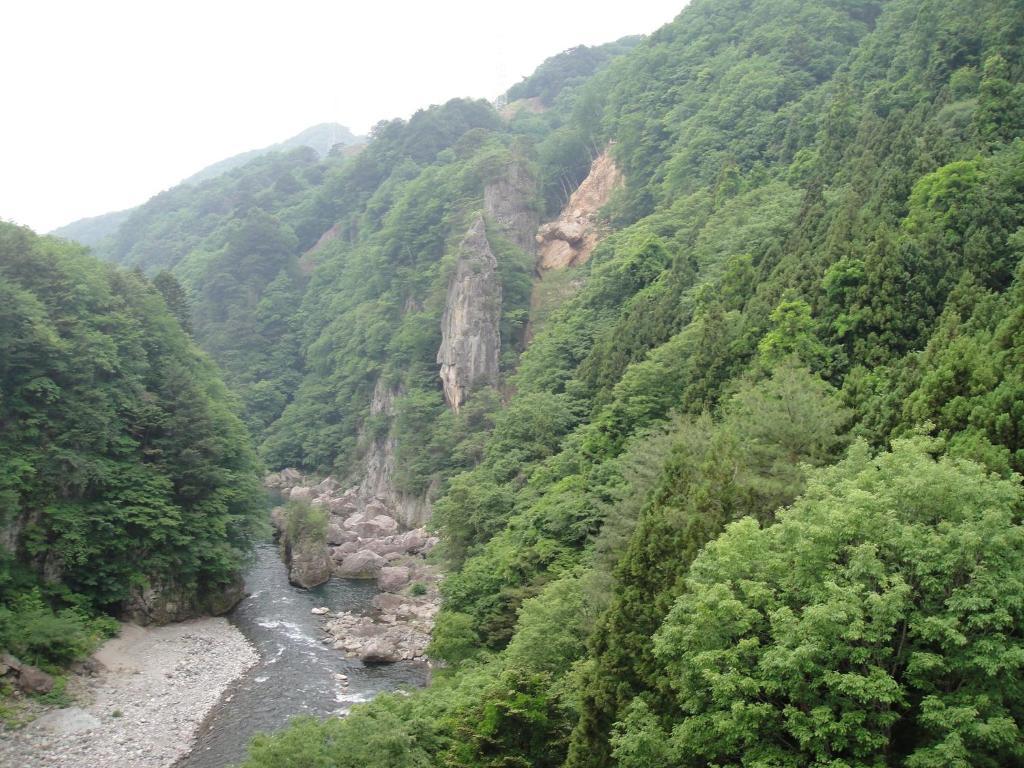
pixel 296 674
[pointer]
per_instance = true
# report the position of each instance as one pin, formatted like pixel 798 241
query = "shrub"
pixel 36 634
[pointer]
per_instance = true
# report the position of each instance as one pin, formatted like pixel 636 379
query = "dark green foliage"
pixel 122 461
pixel 177 302
pixel 567 69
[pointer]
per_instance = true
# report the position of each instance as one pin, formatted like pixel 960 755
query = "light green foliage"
pixel 36 634
pixel 553 627
pixel 873 624
pixel 792 333
pixel 364 739
pixel 305 522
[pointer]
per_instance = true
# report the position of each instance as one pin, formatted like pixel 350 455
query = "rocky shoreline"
pixel 139 701
pixel 363 541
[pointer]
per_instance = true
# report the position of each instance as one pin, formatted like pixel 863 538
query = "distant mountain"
pixel 93 230
pixel 320 137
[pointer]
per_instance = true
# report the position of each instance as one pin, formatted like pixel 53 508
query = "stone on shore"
pixel 363 564
pixel 308 564
pixel 380 650
pixel 34 680
pixel 393 578
pixel 161 682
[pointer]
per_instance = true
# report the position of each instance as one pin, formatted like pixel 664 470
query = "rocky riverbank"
pixel 363 541
pixel 140 700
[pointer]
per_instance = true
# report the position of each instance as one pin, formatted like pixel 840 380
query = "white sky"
pixel 106 103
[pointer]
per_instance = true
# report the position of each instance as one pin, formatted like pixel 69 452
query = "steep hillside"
pixel 127 483
pixel 810 302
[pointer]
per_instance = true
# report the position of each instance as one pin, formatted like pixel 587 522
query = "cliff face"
pixel 377 483
pixel 470 348
pixel 470 340
pixel 509 202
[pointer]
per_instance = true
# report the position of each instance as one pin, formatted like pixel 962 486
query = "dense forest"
pixel 743 488
pixel 128 483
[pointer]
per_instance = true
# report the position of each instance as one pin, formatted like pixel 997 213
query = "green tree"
pixel 874 624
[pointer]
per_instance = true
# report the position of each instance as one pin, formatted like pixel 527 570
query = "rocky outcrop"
pixel 376 486
pixel 163 603
pixel 361 536
pixel 308 563
pixel 365 542
pixel 572 237
pixel 470 342
pixel 304 549
pixel 398 628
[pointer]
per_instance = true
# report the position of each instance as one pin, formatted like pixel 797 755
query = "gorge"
pixel 664 412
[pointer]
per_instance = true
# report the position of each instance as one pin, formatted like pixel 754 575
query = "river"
pixel 296 672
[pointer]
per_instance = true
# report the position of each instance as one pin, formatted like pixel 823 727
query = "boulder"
pixel 380 650
pixel 290 477
pixel 336 534
pixel 327 486
pixel 363 564
pixel 411 542
pixel 8 664
pixel 367 527
pixel 375 507
pixel 392 578
pixel 301 493
pixel 308 564
pixel 342 551
pixel 570 231
pixel 385 525
pixel 388 602
pixel 33 680
pixel 343 505
pixel 321 611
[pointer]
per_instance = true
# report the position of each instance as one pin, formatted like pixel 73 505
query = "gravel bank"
pixel 143 711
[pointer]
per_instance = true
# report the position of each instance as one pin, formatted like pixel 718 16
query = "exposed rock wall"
pixel 165 603
pixel 377 482
pixel 509 201
pixel 470 341
pixel 572 237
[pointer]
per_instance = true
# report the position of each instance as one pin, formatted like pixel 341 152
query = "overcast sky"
pixel 107 103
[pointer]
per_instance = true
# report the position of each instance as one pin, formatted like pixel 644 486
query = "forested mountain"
pixel 810 301
pixel 128 484
pixel 738 486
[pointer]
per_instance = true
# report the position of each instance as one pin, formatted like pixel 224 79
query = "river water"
pixel 296 672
